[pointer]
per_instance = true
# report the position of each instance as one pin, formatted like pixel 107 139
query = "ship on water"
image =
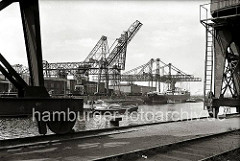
pixel 170 96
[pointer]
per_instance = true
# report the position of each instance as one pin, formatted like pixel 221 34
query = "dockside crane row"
pixel 100 60
pixel 158 71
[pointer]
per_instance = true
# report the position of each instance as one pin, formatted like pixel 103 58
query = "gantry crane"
pixel 108 61
pixel 94 63
pixel 91 61
pixel 222 71
pixel 157 71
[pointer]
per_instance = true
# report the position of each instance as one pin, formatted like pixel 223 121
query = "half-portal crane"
pixel 222 70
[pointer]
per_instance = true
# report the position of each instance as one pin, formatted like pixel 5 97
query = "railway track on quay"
pixel 54 138
pixel 204 148
pixel 137 154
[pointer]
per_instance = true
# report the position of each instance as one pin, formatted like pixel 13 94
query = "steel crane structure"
pixel 21 69
pixel 102 59
pixel 222 71
pixel 157 71
pixel 92 61
pixel 34 96
pixel 117 54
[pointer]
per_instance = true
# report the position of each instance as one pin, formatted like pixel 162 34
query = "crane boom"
pixel 93 53
pixel 117 55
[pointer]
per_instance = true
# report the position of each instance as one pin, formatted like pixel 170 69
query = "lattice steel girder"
pixel 226 34
pixel 236 77
pixel 165 78
pixel 140 69
pixel 117 55
pixel 66 65
pixel 93 54
pixel 222 41
pixel 73 71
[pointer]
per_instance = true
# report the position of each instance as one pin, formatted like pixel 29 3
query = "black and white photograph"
pixel 119 80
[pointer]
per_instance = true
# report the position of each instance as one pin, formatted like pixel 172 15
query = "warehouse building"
pixel 56 86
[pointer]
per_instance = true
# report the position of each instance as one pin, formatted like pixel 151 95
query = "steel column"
pixel 31 28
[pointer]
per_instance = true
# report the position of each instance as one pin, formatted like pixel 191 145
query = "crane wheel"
pixel 61 125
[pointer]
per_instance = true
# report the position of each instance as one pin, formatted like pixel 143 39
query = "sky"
pixel 171 31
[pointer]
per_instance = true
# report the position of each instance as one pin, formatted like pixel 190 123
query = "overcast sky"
pixel 171 31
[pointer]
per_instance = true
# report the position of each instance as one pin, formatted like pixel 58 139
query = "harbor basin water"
pixel 25 127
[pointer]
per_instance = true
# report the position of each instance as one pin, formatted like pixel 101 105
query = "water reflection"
pixel 17 127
